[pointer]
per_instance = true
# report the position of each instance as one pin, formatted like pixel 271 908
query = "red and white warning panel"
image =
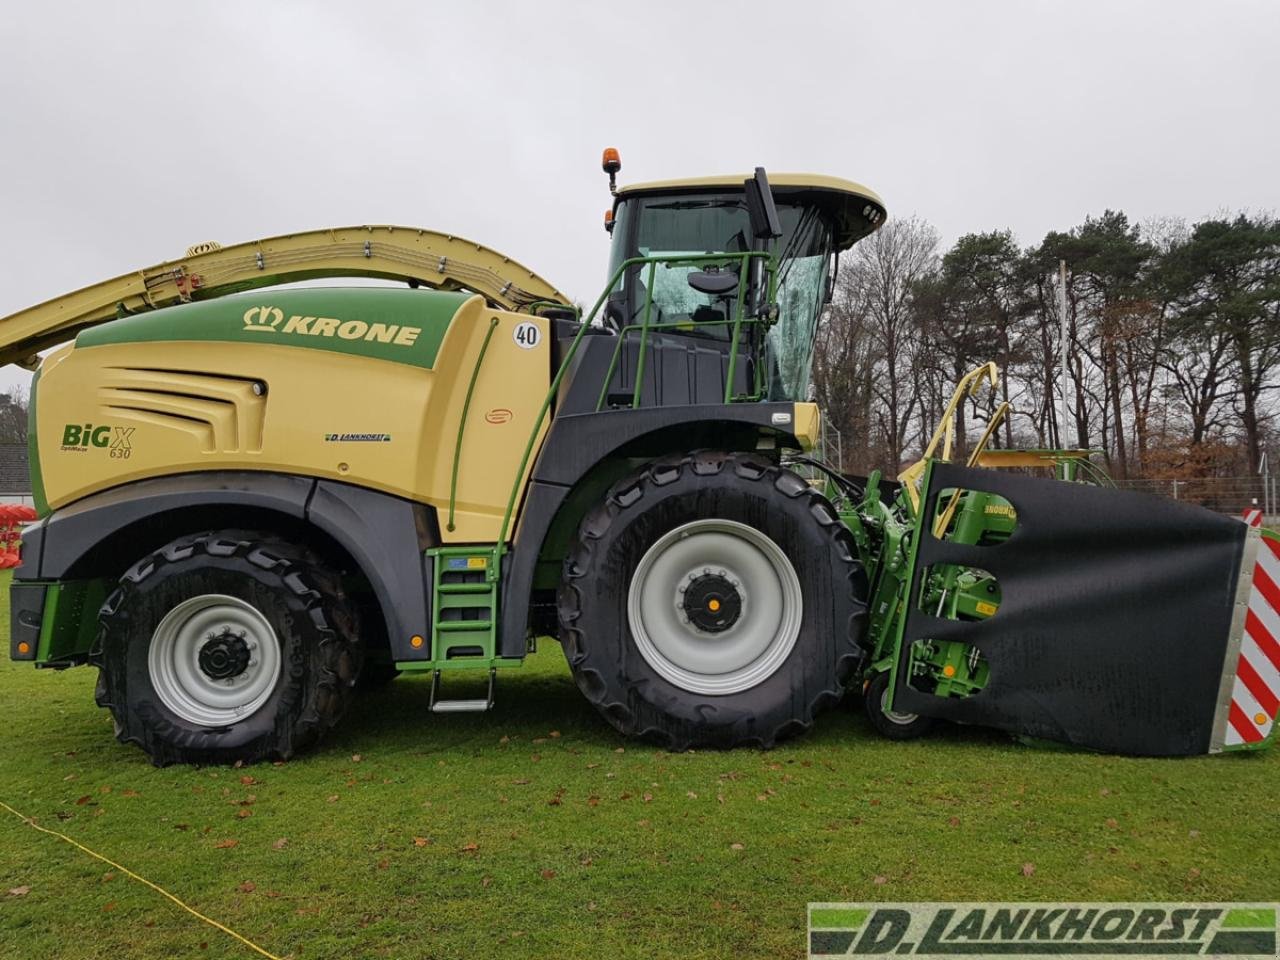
pixel 1255 694
pixel 1252 516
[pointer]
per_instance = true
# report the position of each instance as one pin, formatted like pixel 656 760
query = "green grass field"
pixel 533 831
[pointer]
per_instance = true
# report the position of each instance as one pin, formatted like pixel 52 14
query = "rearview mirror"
pixel 760 207
pixel 714 284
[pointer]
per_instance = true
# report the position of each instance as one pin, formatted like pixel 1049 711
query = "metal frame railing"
pixel 738 321
pixel 769 274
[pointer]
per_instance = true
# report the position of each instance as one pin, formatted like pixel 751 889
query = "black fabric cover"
pixel 1114 622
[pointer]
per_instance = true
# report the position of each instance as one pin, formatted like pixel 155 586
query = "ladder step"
pixel 466 588
pixel 463 626
pixel 461 706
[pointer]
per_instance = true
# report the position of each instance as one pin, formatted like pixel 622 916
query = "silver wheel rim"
pixel 181 677
pixel 750 650
pixel 901 719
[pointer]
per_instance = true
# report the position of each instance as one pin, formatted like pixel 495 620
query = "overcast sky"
pixel 129 131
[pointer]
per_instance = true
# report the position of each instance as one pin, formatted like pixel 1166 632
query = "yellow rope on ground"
pixel 143 880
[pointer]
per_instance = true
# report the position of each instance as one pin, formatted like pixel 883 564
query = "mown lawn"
pixel 534 831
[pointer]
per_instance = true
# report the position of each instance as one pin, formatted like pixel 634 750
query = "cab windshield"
pixel 698 223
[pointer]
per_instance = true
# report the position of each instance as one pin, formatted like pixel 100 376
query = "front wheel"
pixel 891 723
pixel 226 647
pixel 712 600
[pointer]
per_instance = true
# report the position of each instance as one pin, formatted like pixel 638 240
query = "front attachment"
pixel 1124 622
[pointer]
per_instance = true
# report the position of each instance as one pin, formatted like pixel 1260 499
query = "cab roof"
pixel 856 210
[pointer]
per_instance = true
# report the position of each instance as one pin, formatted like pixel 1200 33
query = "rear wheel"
pixel 226 647
pixel 714 601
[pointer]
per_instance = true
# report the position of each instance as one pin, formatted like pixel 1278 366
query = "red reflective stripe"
pixel 1266 643
pixel 1258 687
pixel 1248 732
pixel 1273 544
pixel 1266 586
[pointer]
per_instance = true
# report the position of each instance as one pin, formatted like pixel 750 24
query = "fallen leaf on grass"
pixel 108 906
pixel 504 739
pixel 880 881
pixel 553 734
pixel 248 781
pixel 421 841
pixel 486 881
pixel 737 846
pixel 356 758
pixel 83 800
pixel 19 891
pixel 225 844
pixel 1193 873
pixel 470 847
pixel 280 844
pixel 383 864
pixel 1028 869
pixel 593 801
pixel 648 798
pixel 691 795
pixel 953 822
pixel 244 812
pixel 248 886
pixel 1112 823
pixel 519 781
pixel 548 874
pixel 333 798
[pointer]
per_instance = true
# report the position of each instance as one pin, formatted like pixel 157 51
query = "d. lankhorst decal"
pixel 266 319
pixel 1031 930
pixel 357 438
pixel 86 436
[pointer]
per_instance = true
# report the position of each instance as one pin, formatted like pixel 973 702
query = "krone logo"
pixel 263 318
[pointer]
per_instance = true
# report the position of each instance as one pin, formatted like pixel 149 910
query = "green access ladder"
pixel 464 621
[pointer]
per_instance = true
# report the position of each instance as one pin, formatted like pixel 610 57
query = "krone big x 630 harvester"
pixel 249 502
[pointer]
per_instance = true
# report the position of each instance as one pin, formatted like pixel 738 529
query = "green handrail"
pixel 500 548
pixel 743 260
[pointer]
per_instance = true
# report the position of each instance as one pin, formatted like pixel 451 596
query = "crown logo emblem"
pixel 263 318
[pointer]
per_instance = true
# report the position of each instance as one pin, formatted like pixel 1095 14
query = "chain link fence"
pixel 1232 495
